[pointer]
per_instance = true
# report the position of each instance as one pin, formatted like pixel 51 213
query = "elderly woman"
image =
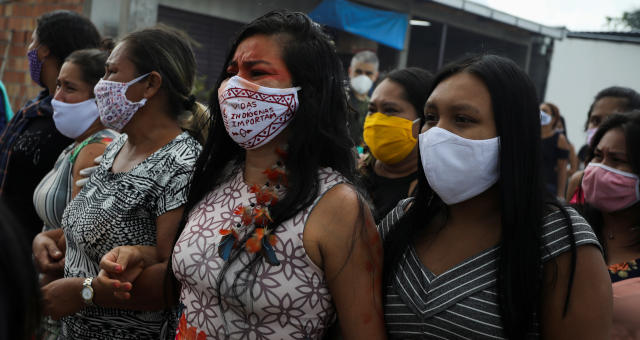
pixel 137 194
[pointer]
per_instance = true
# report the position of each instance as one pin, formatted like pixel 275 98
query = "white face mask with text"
pixel 253 115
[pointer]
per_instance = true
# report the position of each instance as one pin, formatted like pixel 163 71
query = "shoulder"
pixel 388 222
pixel 112 149
pixel 105 136
pixel 561 228
pixel 176 157
pixel 95 144
pixel 184 150
pixel 563 143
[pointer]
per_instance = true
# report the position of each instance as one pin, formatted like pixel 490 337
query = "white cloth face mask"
pixel 545 118
pixel 114 107
pixel 253 115
pixel 457 168
pixel 73 119
pixel 361 84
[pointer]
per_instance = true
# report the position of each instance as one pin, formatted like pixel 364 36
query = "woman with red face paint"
pixel 30 144
pixel 611 190
pixel 276 242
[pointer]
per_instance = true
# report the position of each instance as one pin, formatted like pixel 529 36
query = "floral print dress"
pixel 288 301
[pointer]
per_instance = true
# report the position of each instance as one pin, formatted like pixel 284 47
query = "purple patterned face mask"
pixel 35 66
pixel 114 107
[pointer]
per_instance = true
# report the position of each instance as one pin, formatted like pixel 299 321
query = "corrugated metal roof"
pixel 488 12
pixel 628 37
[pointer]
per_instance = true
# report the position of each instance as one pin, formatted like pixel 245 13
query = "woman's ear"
pixel 154 83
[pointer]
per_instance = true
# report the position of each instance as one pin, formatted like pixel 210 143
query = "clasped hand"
pixel 120 267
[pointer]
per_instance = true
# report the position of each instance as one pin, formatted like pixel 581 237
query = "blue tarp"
pixel 386 27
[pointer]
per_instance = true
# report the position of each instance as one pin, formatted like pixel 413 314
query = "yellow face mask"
pixel 389 138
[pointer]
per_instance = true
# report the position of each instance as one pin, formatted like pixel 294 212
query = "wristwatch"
pixel 87 291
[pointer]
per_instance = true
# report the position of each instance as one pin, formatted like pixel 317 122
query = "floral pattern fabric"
pixel 623 271
pixel 289 301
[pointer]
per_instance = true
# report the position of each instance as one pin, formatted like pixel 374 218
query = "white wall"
pixel 580 68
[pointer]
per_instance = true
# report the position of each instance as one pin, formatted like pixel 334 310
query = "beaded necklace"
pixel 257 217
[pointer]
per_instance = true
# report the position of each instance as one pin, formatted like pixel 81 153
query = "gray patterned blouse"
pixel 115 209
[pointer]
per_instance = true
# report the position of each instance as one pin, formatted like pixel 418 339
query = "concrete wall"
pixel 580 68
pixel 115 18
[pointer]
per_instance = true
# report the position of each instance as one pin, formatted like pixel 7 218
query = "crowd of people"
pixel 306 200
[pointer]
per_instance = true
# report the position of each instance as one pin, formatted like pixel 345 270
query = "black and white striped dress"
pixel 462 302
pixel 115 209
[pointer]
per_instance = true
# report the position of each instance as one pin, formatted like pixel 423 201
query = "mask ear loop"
pixel 414 129
pixel 129 83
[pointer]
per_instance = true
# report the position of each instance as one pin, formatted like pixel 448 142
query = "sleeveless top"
pixel 462 302
pixel 289 301
pixel 116 209
pixel 54 190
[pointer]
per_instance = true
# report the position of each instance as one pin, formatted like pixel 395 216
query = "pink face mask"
pixel 610 189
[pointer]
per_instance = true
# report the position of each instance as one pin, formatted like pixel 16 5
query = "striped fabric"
pixel 461 303
pixel 52 194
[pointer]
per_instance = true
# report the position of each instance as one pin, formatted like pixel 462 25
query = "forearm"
pixel 151 291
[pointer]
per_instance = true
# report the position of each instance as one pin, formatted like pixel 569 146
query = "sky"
pixel 576 15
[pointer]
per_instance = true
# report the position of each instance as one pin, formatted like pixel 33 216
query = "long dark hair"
pixel 629 123
pixel 521 191
pixel 20 309
pixel 319 137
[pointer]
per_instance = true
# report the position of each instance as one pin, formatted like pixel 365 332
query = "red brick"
pixel 17 51
pixel 40 10
pixel 23 10
pixel 18 64
pixel 7 10
pixel 18 37
pixel 29 24
pixel 15 23
pixel 12 76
